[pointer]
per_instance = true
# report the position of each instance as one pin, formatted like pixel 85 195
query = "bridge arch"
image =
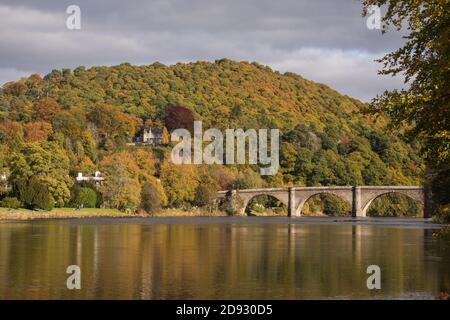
pixel 416 195
pixel 270 196
pixel 246 196
pixel 345 196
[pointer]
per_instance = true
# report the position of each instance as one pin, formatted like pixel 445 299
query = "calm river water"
pixel 221 258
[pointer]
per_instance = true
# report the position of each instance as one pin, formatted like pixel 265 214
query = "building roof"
pixel 154 130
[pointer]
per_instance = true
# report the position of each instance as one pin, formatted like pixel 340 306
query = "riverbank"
pixel 71 213
pixel 196 216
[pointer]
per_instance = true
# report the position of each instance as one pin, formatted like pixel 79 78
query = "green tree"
pixel 374 173
pixel 85 197
pixel 152 197
pixel 10 202
pixel 46 162
pixel 335 206
pixel 36 194
pixel 120 189
pixel 424 106
pixel 288 158
pixel 206 191
pixel 249 179
pixel 4 170
pixel 393 205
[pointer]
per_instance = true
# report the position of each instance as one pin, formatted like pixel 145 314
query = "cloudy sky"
pixel 323 40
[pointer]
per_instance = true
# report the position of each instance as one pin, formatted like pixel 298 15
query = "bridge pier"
pixel 426 201
pixel 291 203
pixel 357 210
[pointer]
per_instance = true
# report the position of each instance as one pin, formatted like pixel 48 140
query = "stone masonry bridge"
pixel 359 198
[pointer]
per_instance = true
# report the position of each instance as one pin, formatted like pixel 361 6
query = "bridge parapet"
pixel 321 188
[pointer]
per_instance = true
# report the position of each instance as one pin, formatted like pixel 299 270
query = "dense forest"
pixel 82 120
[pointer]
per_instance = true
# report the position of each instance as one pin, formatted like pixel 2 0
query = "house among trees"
pixel 152 136
pixel 4 185
pixel 3 177
pixel 95 177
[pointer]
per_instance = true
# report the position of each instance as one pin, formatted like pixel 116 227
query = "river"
pixel 222 258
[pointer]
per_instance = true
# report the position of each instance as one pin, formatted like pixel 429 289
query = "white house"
pixel 96 177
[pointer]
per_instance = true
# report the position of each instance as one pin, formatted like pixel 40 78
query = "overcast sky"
pixel 325 41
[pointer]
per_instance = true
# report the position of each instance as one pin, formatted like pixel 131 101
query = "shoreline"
pixel 94 213
pixel 172 216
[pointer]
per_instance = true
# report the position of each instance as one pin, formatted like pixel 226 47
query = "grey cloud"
pixel 33 36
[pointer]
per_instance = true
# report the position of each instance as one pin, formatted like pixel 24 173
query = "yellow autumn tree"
pixel 125 174
pixel 37 131
pixel 180 183
pixel 165 136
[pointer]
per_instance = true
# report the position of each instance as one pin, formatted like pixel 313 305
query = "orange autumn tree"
pixel 125 174
pixel 45 109
pixel 113 127
pixel 11 133
pixel 37 131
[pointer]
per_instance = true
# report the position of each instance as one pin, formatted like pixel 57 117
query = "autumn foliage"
pixel 178 117
pixel 85 120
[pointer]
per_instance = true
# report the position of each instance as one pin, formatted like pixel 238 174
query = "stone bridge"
pixel 359 198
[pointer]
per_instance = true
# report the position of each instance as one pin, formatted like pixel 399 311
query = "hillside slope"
pixel 325 138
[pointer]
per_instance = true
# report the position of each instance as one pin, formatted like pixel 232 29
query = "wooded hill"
pixel 86 116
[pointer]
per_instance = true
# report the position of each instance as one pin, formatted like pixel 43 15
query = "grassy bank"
pixel 62 213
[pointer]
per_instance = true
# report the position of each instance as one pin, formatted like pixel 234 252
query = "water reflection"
pixel 218 261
